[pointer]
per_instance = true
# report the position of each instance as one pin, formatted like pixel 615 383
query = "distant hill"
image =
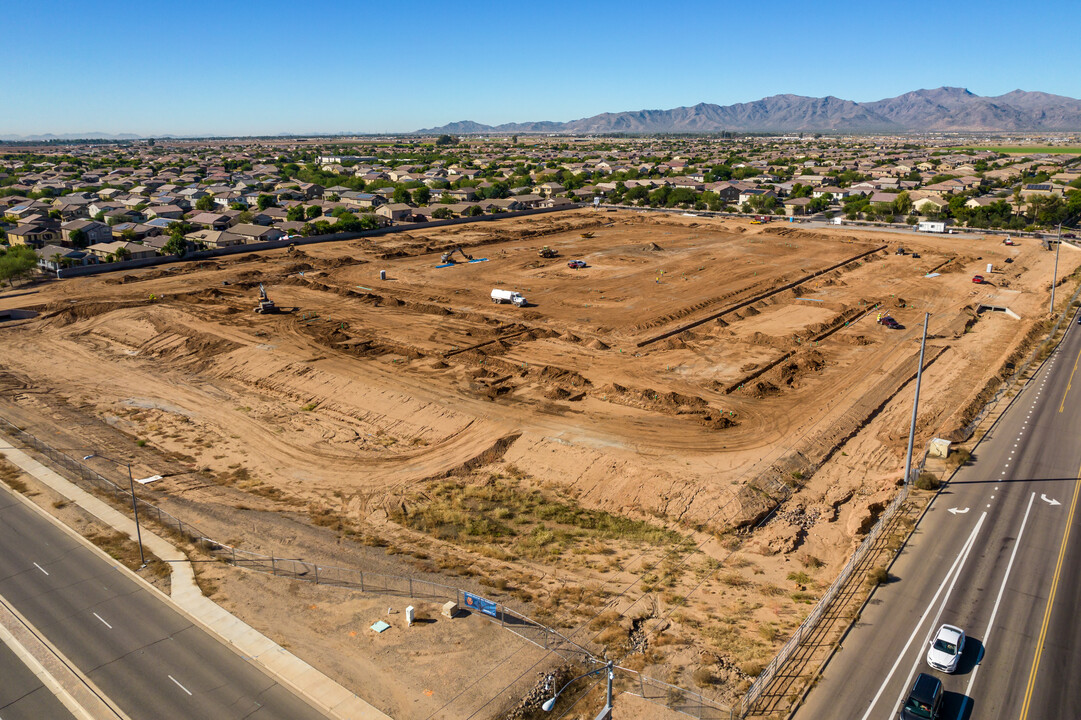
pixel 942 109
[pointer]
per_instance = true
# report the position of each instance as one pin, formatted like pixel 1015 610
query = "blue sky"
pixel 194 67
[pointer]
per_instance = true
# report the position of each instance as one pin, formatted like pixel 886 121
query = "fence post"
pixel 273 566
pixel 315 567
pixel 410 587
pixel 234 556
pixel 362 581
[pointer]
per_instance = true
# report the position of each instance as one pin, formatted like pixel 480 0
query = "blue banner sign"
pixel 476 602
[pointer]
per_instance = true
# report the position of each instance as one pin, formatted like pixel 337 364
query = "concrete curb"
pixel 186 597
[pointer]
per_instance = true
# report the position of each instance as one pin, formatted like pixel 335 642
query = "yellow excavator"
pixel 448 257
pixel 547 252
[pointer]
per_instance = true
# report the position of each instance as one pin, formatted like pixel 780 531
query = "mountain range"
pixel 943 109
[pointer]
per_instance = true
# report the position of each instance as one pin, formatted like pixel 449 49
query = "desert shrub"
pixel 927 481
pixel 878 576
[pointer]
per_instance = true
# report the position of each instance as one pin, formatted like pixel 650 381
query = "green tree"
pixel 17 261
pixel 474 210
pixel 177 244
pixel 902 204
pixel 313 212
pixel 265 201
pixel 295 213
pixel 422 195
pixel 205 203
pixel 443 213
pixel 401 195
pixel 446 140
pixel 78 238
pixel 245 216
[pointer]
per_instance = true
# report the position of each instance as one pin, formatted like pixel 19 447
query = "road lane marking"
pixel 41 568
pixel 958 561
pixel 1049 501
pixel 938 616
pixel 99 617
pixel 1069 383
pixel 179 685
pixel 994 608
pixel 1050 602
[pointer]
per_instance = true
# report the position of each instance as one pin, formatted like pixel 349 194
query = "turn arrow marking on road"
pixel 1049 501
pixel 962 511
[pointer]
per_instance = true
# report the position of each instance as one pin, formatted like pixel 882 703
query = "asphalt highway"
pixel 150 660
pixel 998 554
pixel 22 696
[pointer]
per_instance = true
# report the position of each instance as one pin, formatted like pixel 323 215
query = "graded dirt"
pixel 595 459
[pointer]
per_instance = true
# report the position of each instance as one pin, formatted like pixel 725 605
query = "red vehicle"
pixel 978 279
pixel 889 322
pixel 1007 241
pixel 575 264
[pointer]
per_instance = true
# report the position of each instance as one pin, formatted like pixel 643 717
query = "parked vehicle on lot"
pixel 508 296
pixel 885 319
pixel 1008 241
pixel 946 648
pixel 924 700
pixel 576 264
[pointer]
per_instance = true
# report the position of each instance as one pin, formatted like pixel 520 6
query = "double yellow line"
pixel 1069 383
pixel 1050 601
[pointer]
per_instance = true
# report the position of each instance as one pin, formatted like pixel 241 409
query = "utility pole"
pixel 134 501
pixel 1054 277
pixel 915 404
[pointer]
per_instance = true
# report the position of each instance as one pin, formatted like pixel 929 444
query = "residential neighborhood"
pixel 89 203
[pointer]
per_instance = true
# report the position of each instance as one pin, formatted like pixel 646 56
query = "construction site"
pixel 660 434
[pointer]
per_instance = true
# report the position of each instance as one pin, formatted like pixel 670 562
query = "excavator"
pixel 266 305
pixel 547 252
pixel 448 257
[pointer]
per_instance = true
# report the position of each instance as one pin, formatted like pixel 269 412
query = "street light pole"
pixel 1054 277
pixel 606 711
pixel 134 503
pixel 915 404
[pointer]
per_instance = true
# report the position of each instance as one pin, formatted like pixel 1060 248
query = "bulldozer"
pixel 266 305
pixel 547 252
pixel 448 257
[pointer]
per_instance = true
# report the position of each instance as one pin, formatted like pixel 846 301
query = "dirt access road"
pixel 589 458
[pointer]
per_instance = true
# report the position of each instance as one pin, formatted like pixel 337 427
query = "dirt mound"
pixel 552 374
pixel 570 337
pixel 597 344
pixel 654 247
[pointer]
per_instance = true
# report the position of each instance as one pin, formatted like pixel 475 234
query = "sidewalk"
pixel 309 683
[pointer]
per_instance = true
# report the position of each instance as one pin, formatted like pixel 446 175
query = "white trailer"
pixel 508 296
pixel 931 226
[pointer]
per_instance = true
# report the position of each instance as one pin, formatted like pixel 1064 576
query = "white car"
pixel 946 648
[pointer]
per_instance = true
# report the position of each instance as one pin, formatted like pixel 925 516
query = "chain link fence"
pixel 679 699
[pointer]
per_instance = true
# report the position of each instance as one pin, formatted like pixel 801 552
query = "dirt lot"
pixel 595 459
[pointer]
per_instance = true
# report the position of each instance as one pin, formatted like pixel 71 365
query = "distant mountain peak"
pixel 942 109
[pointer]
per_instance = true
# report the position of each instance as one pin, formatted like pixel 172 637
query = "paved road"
pixel 998 554
pixel 22 696
pixel 150 660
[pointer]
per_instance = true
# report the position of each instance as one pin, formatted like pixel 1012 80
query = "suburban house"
pixel 92 230
pixel 135 251
pixel 215 238
pixel 396 212
pixel 211 221
pixel 68 257
pixel 257 233
pixel 796 206
pixel 31 234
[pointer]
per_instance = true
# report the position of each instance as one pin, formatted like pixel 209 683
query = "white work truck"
pixel 508 296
